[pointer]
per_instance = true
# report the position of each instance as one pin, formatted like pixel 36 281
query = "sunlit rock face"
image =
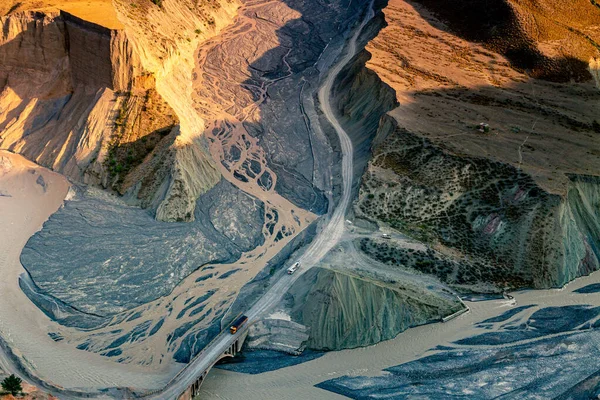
pixel 106 107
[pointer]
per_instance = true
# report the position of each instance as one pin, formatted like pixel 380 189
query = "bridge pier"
pixel 194 390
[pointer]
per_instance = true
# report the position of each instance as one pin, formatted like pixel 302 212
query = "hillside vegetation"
pixel 513 203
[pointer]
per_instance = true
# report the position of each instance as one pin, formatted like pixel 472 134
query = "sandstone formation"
pixel 103 110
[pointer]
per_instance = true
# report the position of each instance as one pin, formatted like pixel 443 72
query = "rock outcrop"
pixel 108 106
pixel 281 335
pixel 166 36
pixel 347 311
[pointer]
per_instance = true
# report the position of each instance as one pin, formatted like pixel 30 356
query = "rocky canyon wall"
pixel 112 107
pixel 166 35
pixel 345 311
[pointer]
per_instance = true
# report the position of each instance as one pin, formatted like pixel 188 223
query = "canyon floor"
pixel 29 194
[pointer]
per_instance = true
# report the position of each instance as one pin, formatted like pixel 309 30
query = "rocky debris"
pixel 147 260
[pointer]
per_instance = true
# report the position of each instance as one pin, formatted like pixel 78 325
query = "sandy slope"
pixel 29 194
pixel 100 12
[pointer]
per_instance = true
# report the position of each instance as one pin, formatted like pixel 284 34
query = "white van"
pixel 293 268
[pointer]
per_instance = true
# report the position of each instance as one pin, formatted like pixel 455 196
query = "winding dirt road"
pixel 321 245
pixel 328 237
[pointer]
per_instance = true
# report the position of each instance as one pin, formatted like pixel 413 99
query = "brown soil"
pixel 100 12
pixel 548 39
pixel 447 86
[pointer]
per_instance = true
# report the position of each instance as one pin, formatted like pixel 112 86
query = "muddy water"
pixel 297 382
pixel 30 194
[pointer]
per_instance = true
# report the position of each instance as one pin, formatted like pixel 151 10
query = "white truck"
pixel 293 268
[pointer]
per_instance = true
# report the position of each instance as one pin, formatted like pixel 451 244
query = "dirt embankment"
pixel 111 104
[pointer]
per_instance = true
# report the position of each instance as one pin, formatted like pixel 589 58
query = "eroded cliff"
pixel 111 106
pixel 503 204
pixel 345 311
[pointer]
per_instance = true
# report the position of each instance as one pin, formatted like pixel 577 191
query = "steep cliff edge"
pixel 166 35
pixel 105 102
pixel 507 204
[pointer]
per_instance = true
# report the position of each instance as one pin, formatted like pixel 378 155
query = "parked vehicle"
pixel 293 268
pixel 386 236
pixel 237 324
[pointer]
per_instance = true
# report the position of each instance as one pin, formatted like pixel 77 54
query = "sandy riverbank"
pixel 29 194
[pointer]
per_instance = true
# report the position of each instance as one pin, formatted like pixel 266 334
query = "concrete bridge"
pixel 194 389
pixel 186 384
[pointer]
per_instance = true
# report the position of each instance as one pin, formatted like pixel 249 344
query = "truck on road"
pixel 293 268
pixel 237 324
